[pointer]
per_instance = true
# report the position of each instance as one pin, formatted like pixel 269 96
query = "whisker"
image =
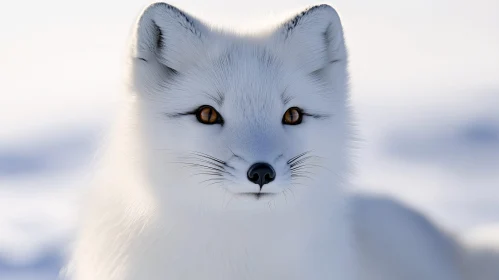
pixel 302 173
pixel 208 173
pixel 211 180
pixel 301 176
pixel 302 160
pixel 210 162
pixel 301 166
pixel 209 157
pixel 297 157
pixel 204 166
pixel 296 175
pixel 284 194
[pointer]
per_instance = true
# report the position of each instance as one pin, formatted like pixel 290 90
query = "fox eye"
pixel 208 115
pixel 293 116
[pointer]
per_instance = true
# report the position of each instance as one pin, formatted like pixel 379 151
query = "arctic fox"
pixel 232 162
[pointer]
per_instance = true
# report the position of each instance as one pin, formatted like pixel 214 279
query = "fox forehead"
pixel 247 74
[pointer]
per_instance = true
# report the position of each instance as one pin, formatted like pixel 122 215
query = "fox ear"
pixel 314 37
pixel 169 36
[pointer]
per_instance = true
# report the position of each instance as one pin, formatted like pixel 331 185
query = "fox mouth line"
pixel 257 195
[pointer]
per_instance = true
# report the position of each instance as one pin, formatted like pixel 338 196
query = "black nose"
pixel 261 173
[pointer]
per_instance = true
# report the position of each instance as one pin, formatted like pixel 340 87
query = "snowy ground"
pixel 425 87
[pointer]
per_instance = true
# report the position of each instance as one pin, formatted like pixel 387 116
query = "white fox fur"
pixel 169 203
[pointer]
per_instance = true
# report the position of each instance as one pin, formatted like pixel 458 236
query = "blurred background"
pixel 425 89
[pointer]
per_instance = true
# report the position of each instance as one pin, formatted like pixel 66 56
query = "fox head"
pixel 241 122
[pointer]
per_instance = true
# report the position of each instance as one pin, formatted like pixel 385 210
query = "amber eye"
pixel 208 115
pixel 293 116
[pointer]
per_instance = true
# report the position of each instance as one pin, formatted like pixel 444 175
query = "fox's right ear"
pixel 169 36
pixel 314 38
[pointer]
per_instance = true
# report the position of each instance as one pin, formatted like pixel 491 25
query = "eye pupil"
pixel 292 116
pixel 208 115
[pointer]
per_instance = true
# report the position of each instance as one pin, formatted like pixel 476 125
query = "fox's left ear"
pixel 314 38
